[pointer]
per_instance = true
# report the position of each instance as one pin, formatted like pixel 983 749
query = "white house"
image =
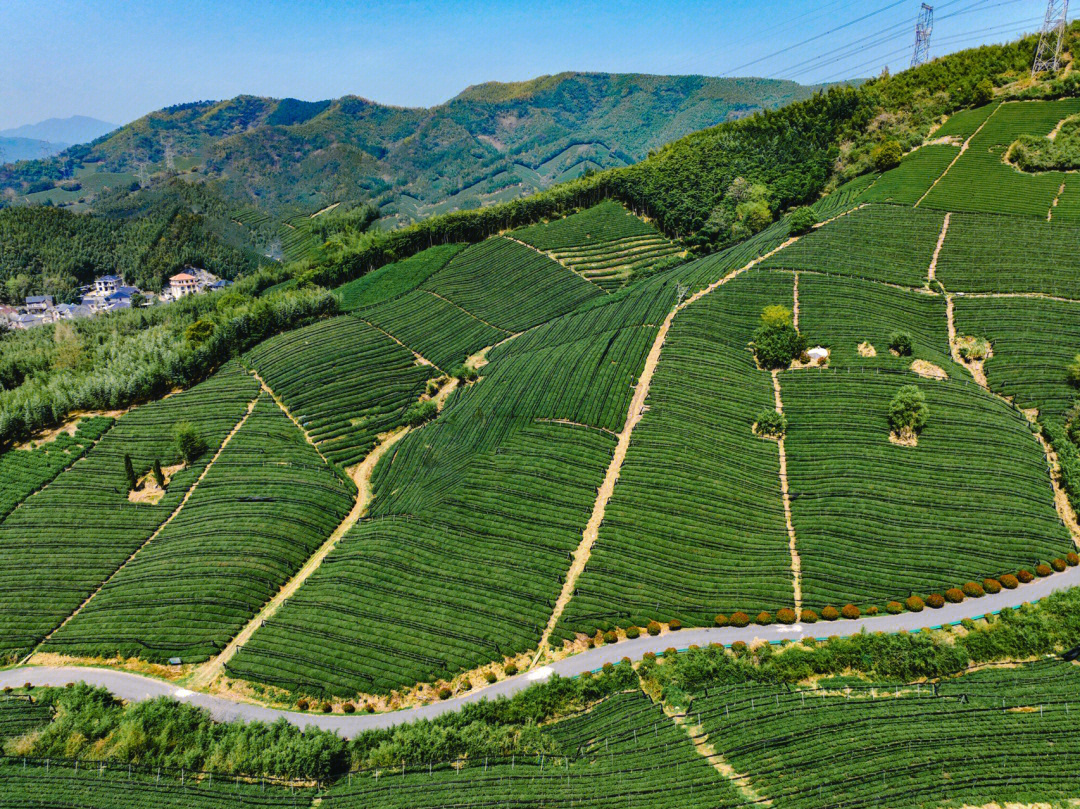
pixel 107 284
pixel 181 284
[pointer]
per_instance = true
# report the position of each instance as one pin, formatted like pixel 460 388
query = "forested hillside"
pixel 491 143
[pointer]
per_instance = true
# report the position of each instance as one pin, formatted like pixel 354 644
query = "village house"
pixel 107 284
pixel 181 284
pixel 39 304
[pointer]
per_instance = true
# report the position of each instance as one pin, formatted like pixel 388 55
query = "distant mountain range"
pixel 50 137
pixel 493 142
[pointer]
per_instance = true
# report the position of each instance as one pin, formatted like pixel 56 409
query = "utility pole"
pixel 1048 55
pixel 924 26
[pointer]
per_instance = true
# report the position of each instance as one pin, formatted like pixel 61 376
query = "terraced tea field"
pixel 596 468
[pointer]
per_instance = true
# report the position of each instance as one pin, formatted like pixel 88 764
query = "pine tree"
pixel 159 476
pixel 129 470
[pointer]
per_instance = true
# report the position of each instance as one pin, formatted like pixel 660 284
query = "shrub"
pixel 801 220
pixel 785 615
pixel 954 595
pixel 445 693
pixel 649 657
pixel 721 620
pixel 189 444
pixel 326 707
pixel 739 619
pixel 1024 576
pixel 850 611
pixel 632 632
pixel 1072 559
pixel 159 476
pixel 1058 565
pixel 776 341
pixel 129 473
pixel 369 708
pixel 763 618
pixel 466 685
pixel 465 373
pixel 914 604
pixel 420 413
pixel 653 628
pixel 808 617
pixel 510 669
pixel 887 155
pixel 894 608
pixel 608 668
pixel 348 707
pixel 830 613
pixel 674 625
pixel 983 93
pixel 908 410
pixel 770 423
pixel 1072 372
pixel 199 332
pixel 973 589
pixel 302 704
pixel 872 610
pixel 900 342
pixel 991 586
pixel 935 601
pixel 1009 581
pixel 610 636
pixel 490 677
pixel 1043 570
pixel 738 647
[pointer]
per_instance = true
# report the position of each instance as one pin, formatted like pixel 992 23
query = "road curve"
pixel 136 687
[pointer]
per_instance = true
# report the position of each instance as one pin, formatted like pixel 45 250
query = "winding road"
pixel 137 687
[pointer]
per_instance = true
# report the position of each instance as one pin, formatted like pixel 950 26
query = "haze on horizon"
pixel 119 60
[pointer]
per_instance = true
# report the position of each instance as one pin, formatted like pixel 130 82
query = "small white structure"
pixel 107 284
pixel 817 352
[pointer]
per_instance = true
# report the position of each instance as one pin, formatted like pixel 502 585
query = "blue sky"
pixel 119 59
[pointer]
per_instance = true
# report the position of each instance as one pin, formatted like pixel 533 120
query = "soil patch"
pixel 867 350
pixel 928 370
pixel 905 438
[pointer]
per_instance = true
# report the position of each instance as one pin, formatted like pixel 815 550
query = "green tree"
pixel 137 300
pixel 189 444
pixel 159 476
pixel 777 342
pixel 984 93
pixel 755 215
pixel 421 412
pixel 129 471
pixel 199 332
pixel 801 220
pixel 887 155
pixel 771 424
pixel 1072 372
pixel 900 342
pixel 908 411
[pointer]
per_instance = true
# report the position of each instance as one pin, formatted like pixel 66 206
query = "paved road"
pixel 136 687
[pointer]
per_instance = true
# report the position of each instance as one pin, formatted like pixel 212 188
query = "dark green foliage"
pixel 394 280
pixel 420 413
pixel 159 476
pixel 770 423
pixel 199 332
pixel 908 410
pixel 1031 153
pixel 1072 372
pixel 189 444
pixel 129 472
pixel 900 342
pixel 776 341
pixel 887 155
pixel 801 220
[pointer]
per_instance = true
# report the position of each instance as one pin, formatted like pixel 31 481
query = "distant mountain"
pixel 12 149
pixel 493 142
pixel 63 131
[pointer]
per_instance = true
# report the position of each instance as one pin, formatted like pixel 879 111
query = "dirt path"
pixel 974 368
pixel 1041 295
pixel 361 476
pixel 160 528
pixel 281 406
pixel 795 304
pixel 963 148
pixel 793 548
pixel 740 781
pixel 1054 204
pixel 570 423
pixel 937 250
pixel 633 416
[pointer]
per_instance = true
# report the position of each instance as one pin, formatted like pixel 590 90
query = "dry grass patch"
pixel 928 370
pixel 866 349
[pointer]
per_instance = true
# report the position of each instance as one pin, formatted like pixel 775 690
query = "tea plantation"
pixel 876 414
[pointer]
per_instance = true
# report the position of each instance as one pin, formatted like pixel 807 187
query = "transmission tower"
pixel 924 26
pixel 1048 56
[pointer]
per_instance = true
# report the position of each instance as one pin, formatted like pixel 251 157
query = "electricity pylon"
pixel 1048 55
pixel 924 26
